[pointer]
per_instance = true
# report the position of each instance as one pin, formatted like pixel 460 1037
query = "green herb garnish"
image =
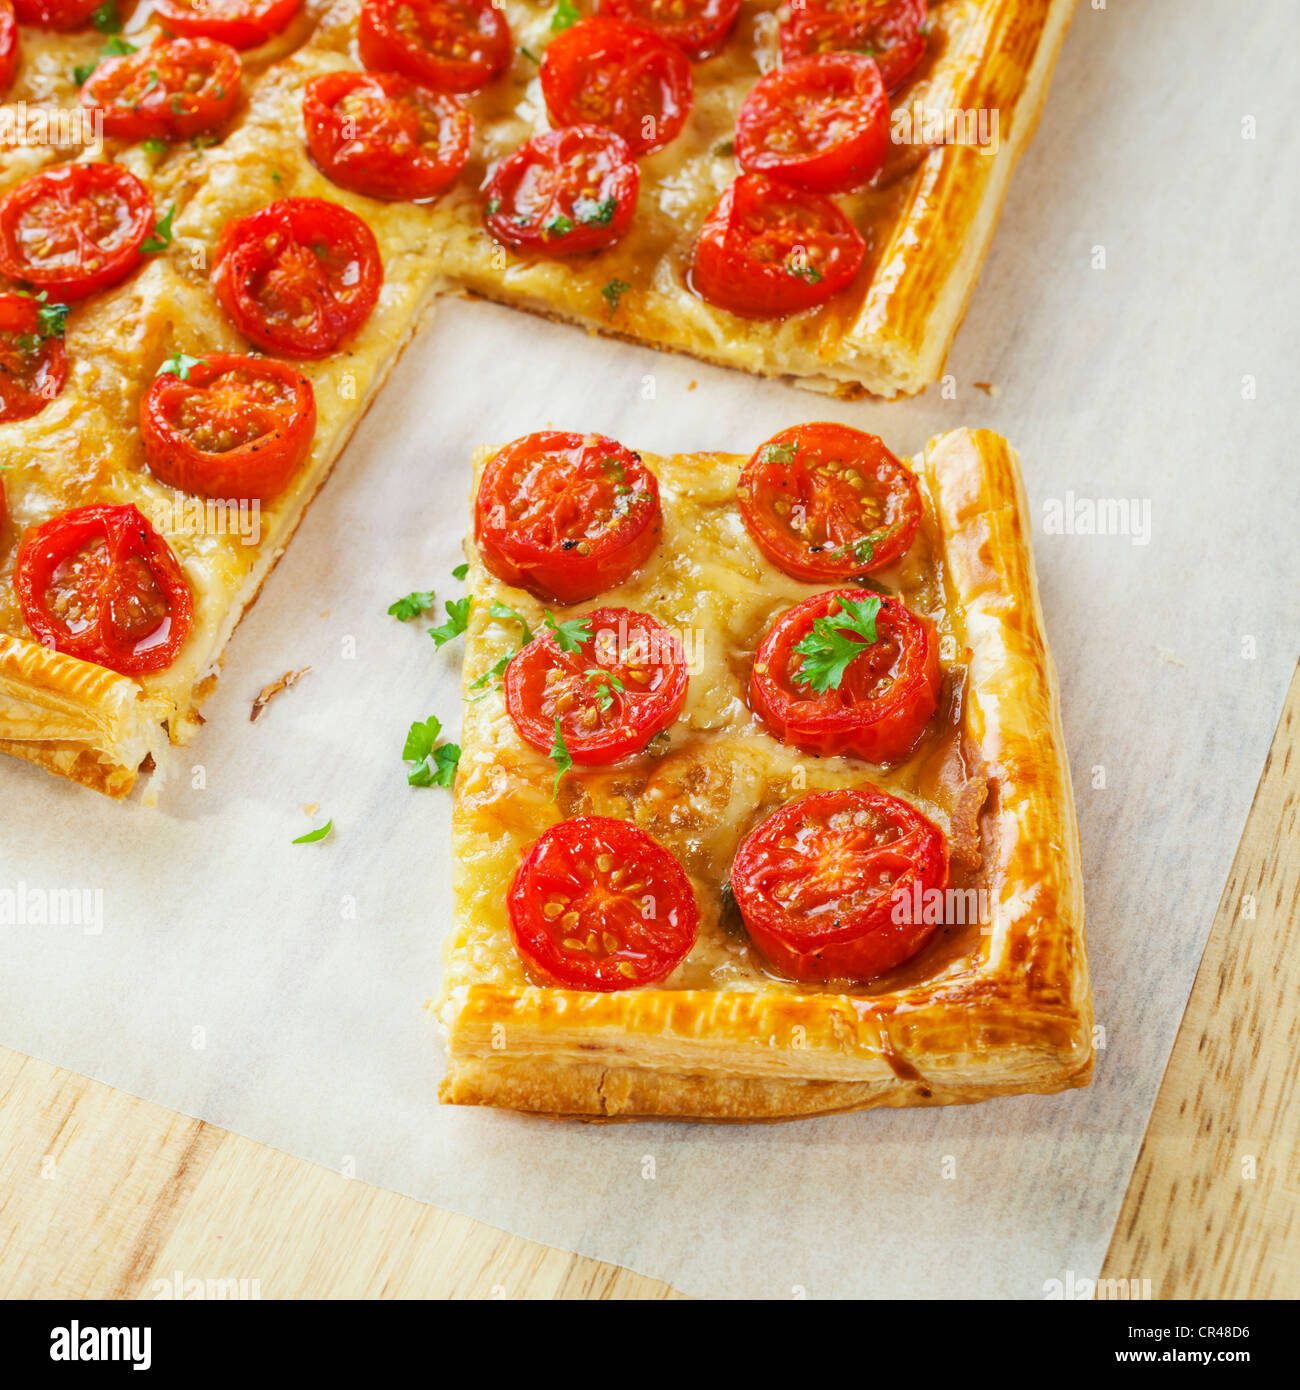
pixel 179 364
pixel 569 636
pixel 457 621
pixel 504 611
pixel 612 293
pixel 411 605
pixel 430 764
pixel 560 757
pixel 106 18
pixel 565 17
pixel 592 212
pixel 312 836
pixel 162 234
pixel 608 682
pixel 827 652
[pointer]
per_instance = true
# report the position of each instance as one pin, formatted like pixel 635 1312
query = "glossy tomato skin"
pixel 240 23
pixel 152 94
pixel 767 250
pixel 826 503
pixel 33 366
pixel 385 136
pixel 820 882
pixel 564 192
pixel 698 27
pixel 578 904
pixel 449 45
pixel 566 516
pixel 820 123
pixel 9 50
pixel 123 599
pixel 858 719
pixel 293 255
pixel 892 32
pixel 236 427
pixel 55 14
pixel 603 717
pixel 68 207
pixel 607 73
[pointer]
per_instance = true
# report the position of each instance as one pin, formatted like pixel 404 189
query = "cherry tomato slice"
pixel 607 73
pixel 55 14
pixel 235 427
pixel 298 276
pixel 564 192
pixel 449 45
pixel 175 90
pixel 101 584
pixel 890 31
pixel 826 502
pixel 884 698
pixel 33 363
pixel 820 123
pixel 240 23
pixel 8 45
pixel 697 27
pixel 385 136
pixel 597 904
pixel 818 883
pixel 73 230
pixel 767 250
pixel 623 684
pixel 566 516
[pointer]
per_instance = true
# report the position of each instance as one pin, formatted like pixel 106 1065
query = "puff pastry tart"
pixel 195 314
pixel 763 808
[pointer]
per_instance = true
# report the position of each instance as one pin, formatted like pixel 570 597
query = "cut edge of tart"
pixel 999 1008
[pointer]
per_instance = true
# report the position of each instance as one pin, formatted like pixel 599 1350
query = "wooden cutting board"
pixel 106 1196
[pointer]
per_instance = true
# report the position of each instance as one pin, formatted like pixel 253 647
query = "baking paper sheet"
pixel 1136 319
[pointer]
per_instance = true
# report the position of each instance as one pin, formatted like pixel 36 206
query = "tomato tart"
pixel 769 814
pixel 200 306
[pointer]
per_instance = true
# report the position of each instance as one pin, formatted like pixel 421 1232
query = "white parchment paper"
pixel 1137 320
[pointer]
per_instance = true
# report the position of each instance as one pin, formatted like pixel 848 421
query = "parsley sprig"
pixel 565 17
pixel 607 683
pixel 429 763
pixel 560 756
pixel 828 649
pixel 457 621
pixel 162 235
pixel 570 635
pixel 180 364
pixel 411 605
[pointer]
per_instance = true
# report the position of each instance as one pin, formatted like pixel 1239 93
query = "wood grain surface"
pixel 106 1196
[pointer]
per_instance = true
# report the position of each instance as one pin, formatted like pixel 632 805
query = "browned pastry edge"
pixel 1019 1020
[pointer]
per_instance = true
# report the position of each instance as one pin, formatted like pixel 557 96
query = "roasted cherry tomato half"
pixel 55 14
pixel 385 136
pixel 449 45
pixel 234 427
pixel 890 31
pixel 564 192
pixel 820 123
pixel 240 23
pixel 826 502
pixel 611 689
pixel 848 673
pixel 767 250
pixel 33 362
pixel 697 27
pixel 604 72
pixel 597 904
pixel 175 90
pixel 101 584
pixel 826 884
pixel 73 230
pixel 566 516
pixel 298 276
pixel 8 45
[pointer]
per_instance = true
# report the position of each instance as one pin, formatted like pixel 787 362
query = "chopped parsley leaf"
pixel 162 234
pixel 312 836
pixel 493 207
pixel 81 73
pixel 155 146
pixel 608 682
pixel 569 636
pixel 430 764
pixel 457 621
pixel 504 611
pixel 779 453
pixel 560 757
pixel 593 213
pixel 805 272
pixel 559 225
pixel 565 17
pixel 53 318
pixel 411 605
pixel 826 651
pixel 117 46
pixel 529 54
pixel 180 363
pixel 107 19
pixel 460 572
pixel 612 293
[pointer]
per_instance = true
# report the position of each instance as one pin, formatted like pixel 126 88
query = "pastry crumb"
pixel 1166 654
pixel 269 692
pixel 987 387
pixel 309 808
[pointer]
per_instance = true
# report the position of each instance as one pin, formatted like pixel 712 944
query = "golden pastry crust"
pixel 1009 1012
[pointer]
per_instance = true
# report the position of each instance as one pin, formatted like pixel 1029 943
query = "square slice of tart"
pixel 679 895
